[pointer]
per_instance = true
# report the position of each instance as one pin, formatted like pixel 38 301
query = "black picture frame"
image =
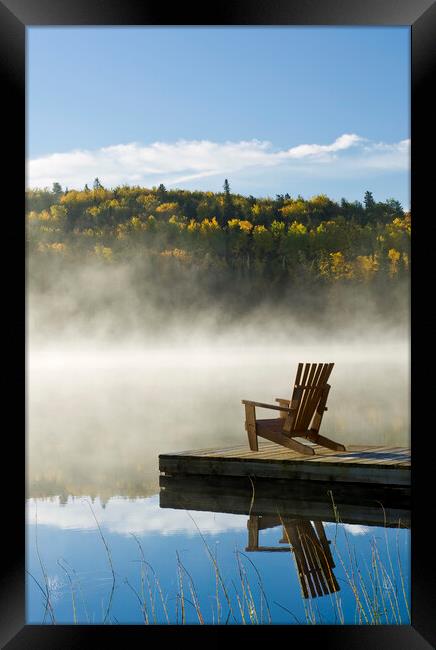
pixel 420 15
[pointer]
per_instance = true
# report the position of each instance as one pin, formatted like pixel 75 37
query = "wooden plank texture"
pixel 373 464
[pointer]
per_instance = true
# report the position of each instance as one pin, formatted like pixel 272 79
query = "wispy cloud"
pixel 184 161
pixel 125 516
pixel 352 529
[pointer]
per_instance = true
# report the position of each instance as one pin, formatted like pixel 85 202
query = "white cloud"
pixel 124 516
pixel 304 150
pixel 183 161
pixel 352 529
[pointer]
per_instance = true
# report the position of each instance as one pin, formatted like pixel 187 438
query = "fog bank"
pixel 120 370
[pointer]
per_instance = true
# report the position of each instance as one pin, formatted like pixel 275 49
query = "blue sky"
pixel 192 106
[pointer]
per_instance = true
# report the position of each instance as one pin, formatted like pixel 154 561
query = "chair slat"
pixel 325 374
pixel 306 536
pixel 294 535
pixel 307 391
pixel 303 383
pixel 305 400
pixel 319 410
pixel 310 402
pixel 308 542
pixel 325 559
pixel 308 406
pixel 297 378
pixel 324 543
pixel 305 374
pixel 311 405
pixel 323 562
pixel 289 423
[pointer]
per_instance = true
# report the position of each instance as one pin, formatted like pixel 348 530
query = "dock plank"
pixel 379 464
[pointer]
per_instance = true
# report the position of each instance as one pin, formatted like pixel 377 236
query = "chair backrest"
pixel 309 388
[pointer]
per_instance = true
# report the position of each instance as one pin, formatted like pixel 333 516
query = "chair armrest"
pixel 268 406
pixel 282 399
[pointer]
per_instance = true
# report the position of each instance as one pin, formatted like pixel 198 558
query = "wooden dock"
pixel 368 464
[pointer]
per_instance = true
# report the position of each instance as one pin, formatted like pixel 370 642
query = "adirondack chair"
pixel 300 416
pixel 311 550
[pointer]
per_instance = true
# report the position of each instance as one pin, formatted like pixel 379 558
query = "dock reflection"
pixel 301 508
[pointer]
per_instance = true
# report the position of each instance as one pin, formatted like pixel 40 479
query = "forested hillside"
pixel 179 249
pixel 275 238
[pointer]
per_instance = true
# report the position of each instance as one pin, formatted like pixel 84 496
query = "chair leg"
pixel 299 446
pixel 287 441
pixel 250 426
pixel 315 437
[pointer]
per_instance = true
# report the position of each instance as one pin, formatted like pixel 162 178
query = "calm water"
pixel 97 421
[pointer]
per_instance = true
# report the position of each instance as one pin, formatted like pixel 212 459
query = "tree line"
pixel 270 240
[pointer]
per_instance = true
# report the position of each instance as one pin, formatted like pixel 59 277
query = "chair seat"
pixel 274 425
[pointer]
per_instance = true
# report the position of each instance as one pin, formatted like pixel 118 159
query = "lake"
pixel 103 549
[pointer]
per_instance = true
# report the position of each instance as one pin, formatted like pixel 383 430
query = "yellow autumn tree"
pixel 103 252
pixel 394 258
pixel 365 267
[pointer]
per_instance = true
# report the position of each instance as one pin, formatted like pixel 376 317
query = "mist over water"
pixel 124 364
pixel 114 378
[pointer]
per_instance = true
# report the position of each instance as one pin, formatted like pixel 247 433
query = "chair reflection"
pixel 311 548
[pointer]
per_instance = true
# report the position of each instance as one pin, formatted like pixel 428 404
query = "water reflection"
pixel 367 505
pixel 299 508
pixel 308 541
pixel 236 523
